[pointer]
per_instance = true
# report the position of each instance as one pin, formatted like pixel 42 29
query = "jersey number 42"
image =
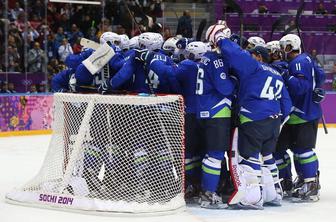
pixel 268 91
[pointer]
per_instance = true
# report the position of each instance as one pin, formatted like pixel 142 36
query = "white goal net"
pixel 118 154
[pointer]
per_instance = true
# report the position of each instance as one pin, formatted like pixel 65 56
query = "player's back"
pixel 214 87
pixel 186 75
pixel 259 94
pixel 301 84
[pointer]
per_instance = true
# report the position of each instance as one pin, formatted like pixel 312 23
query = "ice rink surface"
pixel 21 158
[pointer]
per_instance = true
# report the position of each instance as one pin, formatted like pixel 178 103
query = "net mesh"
pixel 112 153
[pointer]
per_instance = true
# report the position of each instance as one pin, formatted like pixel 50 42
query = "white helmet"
pixel 212 30
pixel 124 42
pixel 150 40
pixel 255 41
pixel 134 42
pixel 111 37
pixel 195 50
pixel 273 46
pixel 169 45
pixel 208 46
pixel 291 40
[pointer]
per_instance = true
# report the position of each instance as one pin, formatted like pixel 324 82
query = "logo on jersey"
pixel 205 114
pixel 223 75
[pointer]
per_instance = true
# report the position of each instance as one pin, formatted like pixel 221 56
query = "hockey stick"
pixel 238 9
pixel 200 29
pixel 277 23
pixel 130 13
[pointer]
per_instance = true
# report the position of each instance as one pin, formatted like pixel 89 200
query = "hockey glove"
pixel 183 42
pixel 105 87
pixel 318 95
pixel 285 75
pixel 143 55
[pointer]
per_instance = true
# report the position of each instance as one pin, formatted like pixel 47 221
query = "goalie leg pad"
pixel 99 58
pixel 248 194
pixel 269 193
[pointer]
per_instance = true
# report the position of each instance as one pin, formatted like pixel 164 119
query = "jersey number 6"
pixel 199 82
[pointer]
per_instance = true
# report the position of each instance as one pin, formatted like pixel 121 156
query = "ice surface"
pixel 21 158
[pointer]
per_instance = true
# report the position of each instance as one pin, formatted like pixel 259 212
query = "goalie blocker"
pixel 99 58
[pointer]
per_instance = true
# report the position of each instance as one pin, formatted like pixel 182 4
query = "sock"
pixel 283 162
pixel 192 169
pixel 269 163
pixel 306 163
pixel 211 169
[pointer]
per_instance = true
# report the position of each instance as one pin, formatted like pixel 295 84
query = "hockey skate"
pixel 308 191
pixel 287 186
pixel 192 195
pixel 211 200
pixel 247 206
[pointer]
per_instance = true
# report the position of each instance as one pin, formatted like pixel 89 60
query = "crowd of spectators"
pixel 40 38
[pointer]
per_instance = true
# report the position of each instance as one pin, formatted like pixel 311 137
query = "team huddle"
pixel 266 94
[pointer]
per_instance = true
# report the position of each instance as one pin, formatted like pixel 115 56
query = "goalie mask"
pixel 210 34
pixel 150 40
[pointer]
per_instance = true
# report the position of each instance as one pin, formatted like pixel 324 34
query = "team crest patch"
pixel 223 75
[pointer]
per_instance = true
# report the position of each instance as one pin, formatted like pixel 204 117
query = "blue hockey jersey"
pixel 301 83
pixel 214 87
pixel 143 78
pixel 182 80
pixel 84 77
pixel 261 88
pixel 60 81
pixel 72 61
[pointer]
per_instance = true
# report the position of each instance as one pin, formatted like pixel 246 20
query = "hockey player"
pixel 282 158
pixel 184 75
pixel 263 103
pixel 136 70
pixel 214 89
pixel 300 131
